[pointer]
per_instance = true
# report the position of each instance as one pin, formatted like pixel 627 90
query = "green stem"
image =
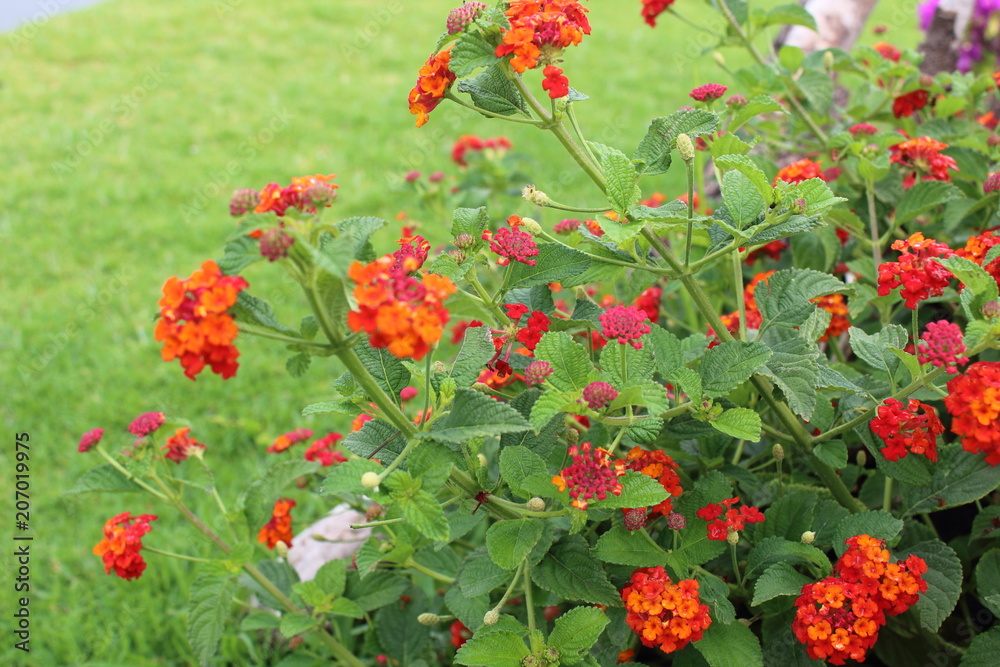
pixel 292 340
pixel 689 170
pixel 836 486
pixel 873 224
pixel 915 324
pixel 437 576
pixel 473 279
pixel 887 495
pixel 576 209
pixel 741 303
pixel 736 565
pixel 129 476
pixel 427 387
pixel 524 121
pixel 173 555
pixel 376 524
pixel 529 597
pixel 738 454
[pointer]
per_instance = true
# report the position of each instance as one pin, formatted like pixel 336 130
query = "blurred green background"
pixel 123 130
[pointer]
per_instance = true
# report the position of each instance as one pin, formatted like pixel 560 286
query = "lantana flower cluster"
pixel 910 429
pixel 279 528
pixel 725 519
pixel 974 404
pixel 591 475
pixel 918 276
pixel 433 81
pixel 122 543
pixel 664 614
pixel 304 193
pixel 922 157
pixel 661 467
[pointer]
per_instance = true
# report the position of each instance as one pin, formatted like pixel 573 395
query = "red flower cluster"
pixel 567 226
pixel 887 51
pixel 649 303
pixel 194 325
pixel 653 8
pixel 664 614
pixel 323 451
pixel 799 171
pixel 862 129
pixel 470 142
pixel 626 323
pixel 838 618
pixel 904 430
pixel 942 346
pixel 910 103
pixel 512 243
pixel 279 528
pixel 537 325
pixel 555 82
pixel 122 543
pixel 459 634
pixel 663 469
pixel 433 81
pixel 837 307
pixel 708 92
pixel 919 277
pixel 973 401
pixel 89 440
pixel 146 423
pixel 541 29
pixel 304 193
pixel 599 395
pixel 591 475
pixel 180 446
pixel 397 310
pixel 723 520
pixel 922 157
pixel 286 440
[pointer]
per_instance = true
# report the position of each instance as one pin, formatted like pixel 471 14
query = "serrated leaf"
pixel 775 549
pixel 924 196
pixel 730 364
pixel 103 478
pixel 471 221
pixel 879 524
pixel 621 178
pixel 832 452
pixel 741 423
pixel 239 254
pixel 480 575
pixel 668 356
pixel 477 349
pixel 988 580
pixel 628 547
pixel 326 407
pixel 715 594
pixel 360 230
pixel 492 91
pixel 638 364
pixel 345 607
pixel 733 645
pixel 475 415
pixel 983 650
pixel 910 470
pixel 654 149
pixel 470 53
pixel 790 15
pixel 554 263
pixel 944 582
pixel 794 367
pixel 569 571
pixel 508 542
pixel 958 478
pixel 742 198
pixel 517 464
pixel 576 631
pixel 758 105
pixel 259 313
pixel 818 195
pixel 468 610
pixel 258 500
pixel 638 490
pixel 296 624
pixel 332 577
pixel 500 648
pixel 423 511
pixel 376 435
pixel 399 632
pixel 785 299
pixel 431 464
pixel 571 365
pixel 211 593
pixel 541 442
pixel 789 516
pixel 975 278
pixel 388 371
pixel 817 86
pixel 874 349
pixel 298 364
pixel 377 590
pixel 751 171
pixel 777 580
pixel 260 620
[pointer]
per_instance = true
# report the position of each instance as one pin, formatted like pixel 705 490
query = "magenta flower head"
pixel 537 372
pixel 274 244
pixel 626 323
pixel 243 201
pixel 992 183
pixel 90 440
pixel 942 346
pixel 566 226
pixel 511 243
pixel 460 17
pixel 598 395
pixel 146 423
pixel 708 92
pixel 862 129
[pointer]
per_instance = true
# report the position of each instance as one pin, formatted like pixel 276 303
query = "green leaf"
pixel 360 230
pixel 239 254
pixel 879 524
pixel 980 285
pixel 944 582
pixel 771 550
pixel 638 364
pixel 654 149
pixel 576 631
pixel 470 53
pixel 480 575
pixel 629 547
pixel 785 299
pixel 789 516
pixel 571 365
pixel 346 477
pixel 727 366
pixel 326 407
pixel 986 524
pixel 874 170
pixel 423 511
pixel 790 15
pixel 983 650
pixel 638 490
pixel 817 86
pixel 477 349
pixel 794 367
pixel 399 632
pixel 296 624
pixel 251 310
pixel 103 478
pixel 541 442
pixel 377 590
pixel 569 571
pixel 758 105
pixel 260 620
pixel 376 435
pixel 492 91
pixel 471 221
pixel 742 199
pixel 958 478
pixel 508 542
pixel 741 423
pixel 832 452
pixel 818 195
pixel 474 415
pixel 715 594
pixel 500 648
pixel 468 610
pixel 388 371
pixel 345 607
pixel 924 196
pixel 554 263
pixel 988 580
pixel 517 464
pixel 622 190
pixel 730 144
pixel 777 580
pixel 211 594
pixel 748 168
pixel 332 577
pixel 298 364
pixel 258 500
pixel 668 356
pixel 733 645
pixel 432 465
pixel 874 349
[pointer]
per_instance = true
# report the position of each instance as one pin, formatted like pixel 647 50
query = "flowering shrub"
pixel 748 425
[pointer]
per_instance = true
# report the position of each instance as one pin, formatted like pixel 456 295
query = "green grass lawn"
pixel 123 130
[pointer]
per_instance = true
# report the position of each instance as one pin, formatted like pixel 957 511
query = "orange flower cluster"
pixel 913 428
pixel 660 467
pixel 279 528
pixel 919 277
pixel 591 475
pixel 304 193
pixel 433 81
pixel 122 543
pixel 976 248
pixel 836 306
pixel 194 325
pixel 664 614
pixel 180 446
pixel 540 30
pixel 839 617
pixel 922 157
pixel 286 440
pixel 397 310
pixel 799 171
pixel 973 401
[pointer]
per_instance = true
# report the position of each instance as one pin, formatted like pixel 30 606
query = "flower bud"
pixel 243 201
pixel 482 387
pixel 684 147
pixel 800 206
pixel 491 617
pixel 483 461
pixel 536 197
pixel 440 367
pixel 736 102
pixel 993 140
pixel 428 619
pixel 808 537
pixel 778 452
pixel 926 81
pixel 745 622
pixel 572 437
pixel 536 504
pixel 635 518
pixel 551 654
pixel 733 537
pixel 281 548
pixel 720 60
pixel 320 194
pixel 992 183
pixel 412 175
pixel 464 241
pixel 862 458
pixel 436 177
pixel 991 309
pixel 828 60
pixel 676 521
pixel 370 480
pixel 531 226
